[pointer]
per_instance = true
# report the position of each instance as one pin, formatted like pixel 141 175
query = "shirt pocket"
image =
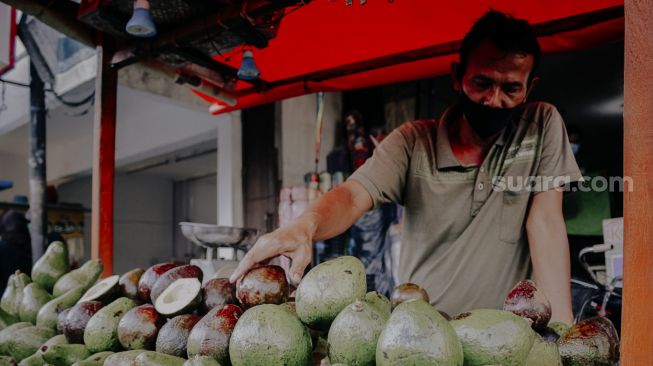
pixel 513 215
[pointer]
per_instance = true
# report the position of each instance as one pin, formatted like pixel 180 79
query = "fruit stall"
pixel 169 314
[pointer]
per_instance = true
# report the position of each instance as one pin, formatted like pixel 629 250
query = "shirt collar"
pixel 445 157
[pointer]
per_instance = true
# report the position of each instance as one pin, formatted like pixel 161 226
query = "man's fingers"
pixel 244 265
pixel 299 264
pixel 261 252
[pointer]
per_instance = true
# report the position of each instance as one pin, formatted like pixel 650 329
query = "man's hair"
pixel 506 33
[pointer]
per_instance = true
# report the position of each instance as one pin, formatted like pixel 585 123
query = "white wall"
pixel 142 222
pixel 147 126
pixel 298 126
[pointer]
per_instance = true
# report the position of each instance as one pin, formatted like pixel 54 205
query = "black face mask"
pixel 486 121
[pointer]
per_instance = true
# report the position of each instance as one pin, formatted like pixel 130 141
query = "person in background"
pixel 15 246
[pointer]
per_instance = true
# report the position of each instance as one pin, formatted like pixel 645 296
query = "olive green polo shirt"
pixel 463 234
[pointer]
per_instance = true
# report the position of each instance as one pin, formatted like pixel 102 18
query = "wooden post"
pixel 637 318
pixel 104 148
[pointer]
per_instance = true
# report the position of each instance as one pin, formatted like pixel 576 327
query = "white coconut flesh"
pixel 100 288
pixel 178 295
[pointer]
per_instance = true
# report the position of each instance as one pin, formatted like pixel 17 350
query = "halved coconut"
pixel 181 297
pixel 104 291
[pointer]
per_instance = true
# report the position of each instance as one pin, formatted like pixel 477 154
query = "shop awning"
pixel 328 46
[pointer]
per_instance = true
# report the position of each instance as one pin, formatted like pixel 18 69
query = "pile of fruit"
pixel 165 316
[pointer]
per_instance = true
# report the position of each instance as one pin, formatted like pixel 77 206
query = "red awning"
pixel 327 46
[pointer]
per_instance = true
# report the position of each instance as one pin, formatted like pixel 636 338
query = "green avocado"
pixel 101 333
pixel 493 337
pixel 7 333
pixel 7 361
pixel 328 288
pixel 201 361
pixel 543 354
pixel 270 335
pixel 26 341
pixel 125 358
pixel 84 277
pixel 6 319
pixel 151 358
pixel 65 354
pixel 379 300
pixel 96 359
pixel 36 359
pixel 354 334
pixel 13 295
pixel 47 315
pixel 34 297
pixel 51 266
pixel 417 334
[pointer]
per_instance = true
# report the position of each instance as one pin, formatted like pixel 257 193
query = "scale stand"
pixel 212 237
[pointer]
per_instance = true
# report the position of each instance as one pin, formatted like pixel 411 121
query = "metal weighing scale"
pixel 213 237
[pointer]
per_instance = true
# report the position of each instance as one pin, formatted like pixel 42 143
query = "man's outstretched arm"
pixel 547 238
pixel 329 216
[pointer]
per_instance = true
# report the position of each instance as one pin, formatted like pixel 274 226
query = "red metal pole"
pixel 637 318
pixel 104 148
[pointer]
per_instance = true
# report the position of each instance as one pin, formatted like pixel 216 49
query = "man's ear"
pixel 455 68
pixel 533 82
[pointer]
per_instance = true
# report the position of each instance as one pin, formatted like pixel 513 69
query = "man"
pixel 471 218
pixel 15 246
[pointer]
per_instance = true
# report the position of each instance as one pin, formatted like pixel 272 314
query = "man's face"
pixel 496 78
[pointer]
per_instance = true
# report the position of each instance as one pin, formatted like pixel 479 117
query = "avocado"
pixel 264 284
pixel 36 359
pixel 381 302
pixel 328 288
pixel 6 319
pixel 26 341
pixel 201 361
pixel 355 332
pixel 96 359
pixel 139 327
pixel 34 297
pixel 492 337
pixel 170 276
pixel 76 319
pixel 83 277
pixel 13 295
pixel 150 276
pixel 543 353
pixel 527 301
pixel 101 333
pixel 7 361
pixel 210 336
pixel 417 334
pixel 51 266
pixel 125 358
pixel 128 283
pixel 47 315
pixel 407 291
pixel 7 333
pixel 65 354
pixel 173 336
pixel 591 342
pixel 217 292
pixel 149 358
pixel 269 335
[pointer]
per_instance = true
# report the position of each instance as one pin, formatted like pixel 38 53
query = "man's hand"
pixel 547 239
pixel 294 241
pixel 329 216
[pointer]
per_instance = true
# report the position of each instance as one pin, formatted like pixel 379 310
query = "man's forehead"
pixel 488 60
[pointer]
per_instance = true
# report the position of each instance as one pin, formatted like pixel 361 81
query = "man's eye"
pixel 482 84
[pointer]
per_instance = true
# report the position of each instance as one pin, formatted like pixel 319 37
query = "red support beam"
pixel 637 318
pixel 104 151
